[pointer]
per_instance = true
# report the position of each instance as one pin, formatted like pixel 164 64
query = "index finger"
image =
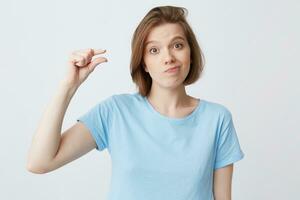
pixel 99 51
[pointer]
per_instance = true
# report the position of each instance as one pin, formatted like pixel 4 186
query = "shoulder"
pixel 216 108
pixel 126 97
pixel 117 98
pixel 122 101
pixel 219 114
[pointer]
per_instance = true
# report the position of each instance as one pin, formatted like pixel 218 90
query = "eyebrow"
pixel 153 41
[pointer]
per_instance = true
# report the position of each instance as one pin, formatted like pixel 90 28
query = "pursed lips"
pixel 171 68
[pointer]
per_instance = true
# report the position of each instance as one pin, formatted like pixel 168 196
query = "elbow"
pixel 36 169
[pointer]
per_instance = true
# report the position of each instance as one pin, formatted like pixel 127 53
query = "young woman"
pixel 163 143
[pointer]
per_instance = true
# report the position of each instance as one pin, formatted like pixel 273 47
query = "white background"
pixel 252 67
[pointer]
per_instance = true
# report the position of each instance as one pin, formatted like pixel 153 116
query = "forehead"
pixel 165 32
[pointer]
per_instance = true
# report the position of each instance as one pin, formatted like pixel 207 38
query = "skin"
pixel 50 148
pixel 222 182
pixel 167 46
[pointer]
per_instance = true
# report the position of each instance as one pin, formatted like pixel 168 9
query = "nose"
pixel 169 57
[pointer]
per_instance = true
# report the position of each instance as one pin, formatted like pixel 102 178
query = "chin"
pixel 171 84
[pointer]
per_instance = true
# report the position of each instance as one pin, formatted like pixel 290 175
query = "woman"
pixel 164 144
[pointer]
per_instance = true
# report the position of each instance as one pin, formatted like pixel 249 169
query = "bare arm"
pixel 222 183
pixel 49 149
pixel 47 138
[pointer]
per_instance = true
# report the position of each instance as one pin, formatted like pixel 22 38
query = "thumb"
pixel 91 66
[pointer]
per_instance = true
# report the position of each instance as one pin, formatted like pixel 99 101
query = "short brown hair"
pixel 155 17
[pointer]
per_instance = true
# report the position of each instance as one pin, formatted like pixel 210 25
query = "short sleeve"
pixel 228 147
pixel 98 121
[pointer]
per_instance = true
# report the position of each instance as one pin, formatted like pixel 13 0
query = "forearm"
pixel 47 137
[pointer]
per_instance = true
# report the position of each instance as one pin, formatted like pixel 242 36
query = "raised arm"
pixel 50 149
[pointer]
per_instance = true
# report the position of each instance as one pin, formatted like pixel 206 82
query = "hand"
pixel 80 65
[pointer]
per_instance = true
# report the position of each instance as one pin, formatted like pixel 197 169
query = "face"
pixel 166 47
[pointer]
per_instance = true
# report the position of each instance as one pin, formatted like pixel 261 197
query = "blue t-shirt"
pixel 156 157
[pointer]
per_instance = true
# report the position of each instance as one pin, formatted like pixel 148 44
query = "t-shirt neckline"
pixel 172 119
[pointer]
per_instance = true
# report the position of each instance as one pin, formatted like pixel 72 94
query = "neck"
pixel 169 99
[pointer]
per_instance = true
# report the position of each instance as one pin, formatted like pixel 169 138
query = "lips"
pixel 171 68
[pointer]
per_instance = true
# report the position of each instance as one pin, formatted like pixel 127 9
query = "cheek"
pixel 151 62
pixel 188 55
pixel 185 57
pixel 147 60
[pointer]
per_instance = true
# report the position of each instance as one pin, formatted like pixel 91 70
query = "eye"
pixel 178 46
pixel 153 50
